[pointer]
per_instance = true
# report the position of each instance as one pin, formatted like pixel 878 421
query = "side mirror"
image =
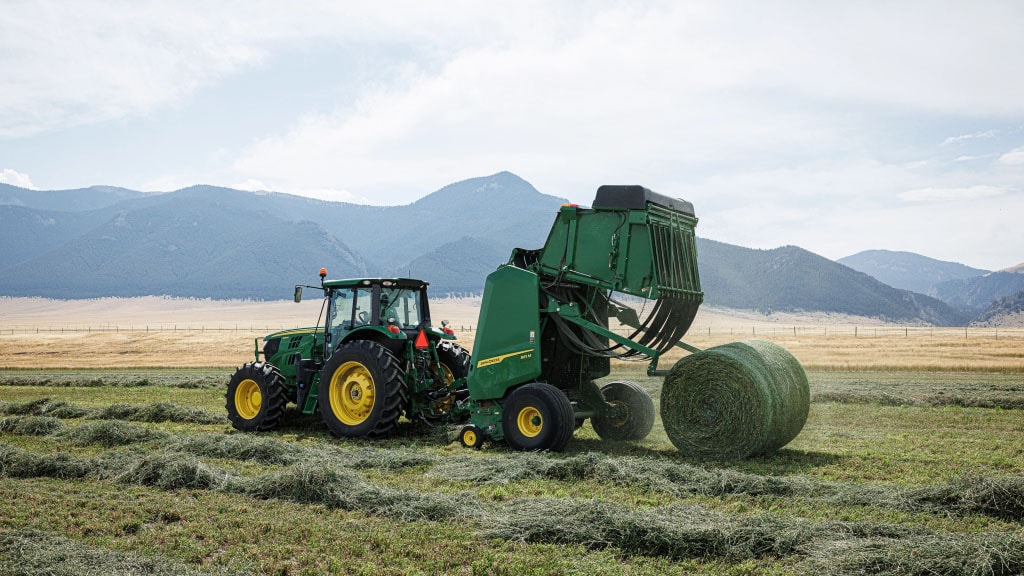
pixel 298 294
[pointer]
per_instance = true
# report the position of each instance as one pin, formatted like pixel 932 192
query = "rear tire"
pixel 454 364
pixel 256 397
pixel 454 359
pixel 537 416
pixel 638 408
pixel 362 390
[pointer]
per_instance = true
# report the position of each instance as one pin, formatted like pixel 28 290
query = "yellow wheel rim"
pixel 352 393
pixel 530 421
pixel 248 399
pixel 469 438
pixel 446 372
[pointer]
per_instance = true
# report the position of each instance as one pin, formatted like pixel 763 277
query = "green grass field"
pixel 125 472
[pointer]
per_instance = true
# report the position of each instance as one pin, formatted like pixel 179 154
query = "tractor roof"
pixel 411 283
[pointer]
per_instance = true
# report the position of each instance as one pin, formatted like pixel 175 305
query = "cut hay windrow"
pixel 172 471
pixel 676 532
pixel 244 447
pixel 735 401
pixel 981 554
pixel 130 379
pixel 31 425
pixel 995 497
pixel 674 478
pixel 1004 402
pixel 339 487
pixel 18 463
pixel 1001 497
pixel 153 412
pixel 24 552
pixel 309 482
pixel 43 407
pixel 159 412
pixel 111 433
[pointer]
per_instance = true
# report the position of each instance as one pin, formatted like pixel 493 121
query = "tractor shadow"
pixel 405 432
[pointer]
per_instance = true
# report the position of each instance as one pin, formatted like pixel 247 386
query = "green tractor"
pixel 544 339
pixel 375 357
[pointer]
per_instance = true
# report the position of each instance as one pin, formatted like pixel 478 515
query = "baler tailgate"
pixel 674 254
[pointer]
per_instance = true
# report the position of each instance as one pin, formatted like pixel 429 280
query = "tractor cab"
pixel 389 311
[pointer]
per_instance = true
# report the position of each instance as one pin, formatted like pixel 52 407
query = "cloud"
pixel 15 178
pixel 933 194
pixel 1014 157
pixel 69 64
pixel 90 61
pixel 251 185
pixel 972 136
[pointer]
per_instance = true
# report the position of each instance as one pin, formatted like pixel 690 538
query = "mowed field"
pixel 116 458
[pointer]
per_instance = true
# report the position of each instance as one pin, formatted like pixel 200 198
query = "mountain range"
pixel 212 242
pixel 985 296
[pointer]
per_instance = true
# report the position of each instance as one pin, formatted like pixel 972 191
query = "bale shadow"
pixel 785 462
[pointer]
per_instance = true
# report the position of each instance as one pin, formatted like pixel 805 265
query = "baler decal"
pixel 524 354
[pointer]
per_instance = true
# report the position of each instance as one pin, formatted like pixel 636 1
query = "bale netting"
pixel 734 401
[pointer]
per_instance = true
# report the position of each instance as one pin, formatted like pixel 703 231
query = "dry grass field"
pixel 169 333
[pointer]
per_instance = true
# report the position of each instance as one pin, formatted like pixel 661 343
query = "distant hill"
pixel 1018 269
pixel 65 200
pixel 208 241
pixel 975 294
pixel 198 247
pixel 459 267
pixel 1006 311
pixel 907 270
pixel 792 279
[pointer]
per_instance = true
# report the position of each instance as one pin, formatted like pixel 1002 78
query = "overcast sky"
pixel 835 126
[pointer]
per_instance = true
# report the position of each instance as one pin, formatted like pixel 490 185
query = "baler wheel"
pixel 362 390
pixel 537 416
pixel 636 408
pixel 256 397
pixel 471 437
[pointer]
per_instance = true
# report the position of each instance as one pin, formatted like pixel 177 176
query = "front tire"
pixel 636 412
pixel 256 397
pixel 362 390
pixel 537 416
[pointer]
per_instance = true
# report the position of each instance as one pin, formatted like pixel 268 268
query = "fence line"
pixel 964 333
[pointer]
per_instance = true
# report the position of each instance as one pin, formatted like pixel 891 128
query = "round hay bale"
pixel 735 401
